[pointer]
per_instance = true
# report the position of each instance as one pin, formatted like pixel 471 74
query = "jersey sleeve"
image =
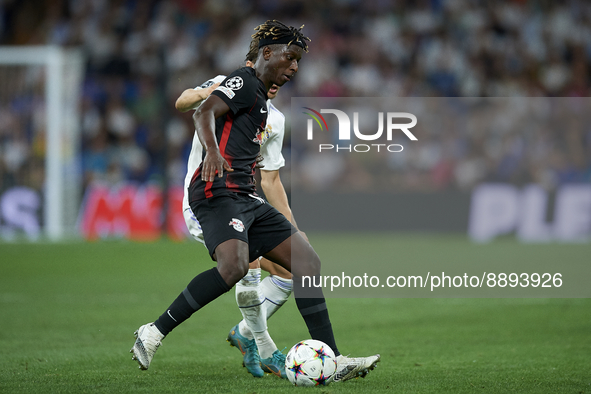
pixel 207 84
pixel 271 150
pixel 238 90
pixel 210 82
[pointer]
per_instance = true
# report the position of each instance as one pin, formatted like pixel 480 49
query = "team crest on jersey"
pixel 262 136
pixel 237 224
pixel 235 83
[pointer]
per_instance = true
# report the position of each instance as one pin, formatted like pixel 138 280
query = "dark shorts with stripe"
pixel 244 217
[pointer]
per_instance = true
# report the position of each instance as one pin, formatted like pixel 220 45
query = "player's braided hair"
pixel 253 50
pixel 274 32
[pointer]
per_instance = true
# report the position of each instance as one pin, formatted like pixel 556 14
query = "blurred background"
pixel 138 56
pixel 92 148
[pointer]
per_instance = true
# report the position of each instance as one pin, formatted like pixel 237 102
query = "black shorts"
pixel 240 216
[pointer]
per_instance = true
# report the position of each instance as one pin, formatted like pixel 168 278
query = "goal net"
pixel 40 174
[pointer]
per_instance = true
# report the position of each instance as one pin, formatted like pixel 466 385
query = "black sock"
pixel 204 288
pixel 315 314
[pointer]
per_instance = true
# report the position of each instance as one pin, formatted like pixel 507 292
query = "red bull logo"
pixel 237 224
pixel 261 137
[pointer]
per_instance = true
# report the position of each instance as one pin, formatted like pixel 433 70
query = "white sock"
pixel 276 291
pixel 250 299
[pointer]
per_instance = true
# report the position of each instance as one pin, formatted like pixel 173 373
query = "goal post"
pixel 61 77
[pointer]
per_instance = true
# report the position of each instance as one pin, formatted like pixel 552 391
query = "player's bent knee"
pixel 315 263
pixel 232 272
pixel 232 260
pixel 306 262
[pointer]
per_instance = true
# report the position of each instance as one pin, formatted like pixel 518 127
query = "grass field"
pixel 68 312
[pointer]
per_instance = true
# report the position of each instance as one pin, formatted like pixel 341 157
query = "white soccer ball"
pixel 310 363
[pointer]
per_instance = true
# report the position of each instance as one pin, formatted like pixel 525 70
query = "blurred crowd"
pixel 142 54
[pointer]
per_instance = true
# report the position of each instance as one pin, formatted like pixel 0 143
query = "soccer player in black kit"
pixel 239 226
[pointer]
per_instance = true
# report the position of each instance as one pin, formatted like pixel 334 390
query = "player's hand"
pixel 212 88
pixel 214 163
pixel 259 161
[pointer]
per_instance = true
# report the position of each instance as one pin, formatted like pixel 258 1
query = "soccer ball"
pixel 310 363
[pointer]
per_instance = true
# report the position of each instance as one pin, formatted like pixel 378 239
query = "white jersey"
pixel 270 151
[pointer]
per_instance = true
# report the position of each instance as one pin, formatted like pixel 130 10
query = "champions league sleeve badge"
pixel 235 83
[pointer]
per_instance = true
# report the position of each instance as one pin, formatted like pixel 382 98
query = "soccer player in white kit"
pixel 258 300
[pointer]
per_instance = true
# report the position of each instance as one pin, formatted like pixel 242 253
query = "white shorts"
pixel 193 225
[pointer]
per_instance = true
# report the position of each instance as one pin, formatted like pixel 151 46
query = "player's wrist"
pixel 214 148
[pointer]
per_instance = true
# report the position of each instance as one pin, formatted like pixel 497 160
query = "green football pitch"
pixel 68 312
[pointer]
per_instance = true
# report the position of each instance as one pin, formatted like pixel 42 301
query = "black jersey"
pixel 239 135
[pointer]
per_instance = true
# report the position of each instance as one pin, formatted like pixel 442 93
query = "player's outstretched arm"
pixel 275 193
pixel 191 98
pixel 204 120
